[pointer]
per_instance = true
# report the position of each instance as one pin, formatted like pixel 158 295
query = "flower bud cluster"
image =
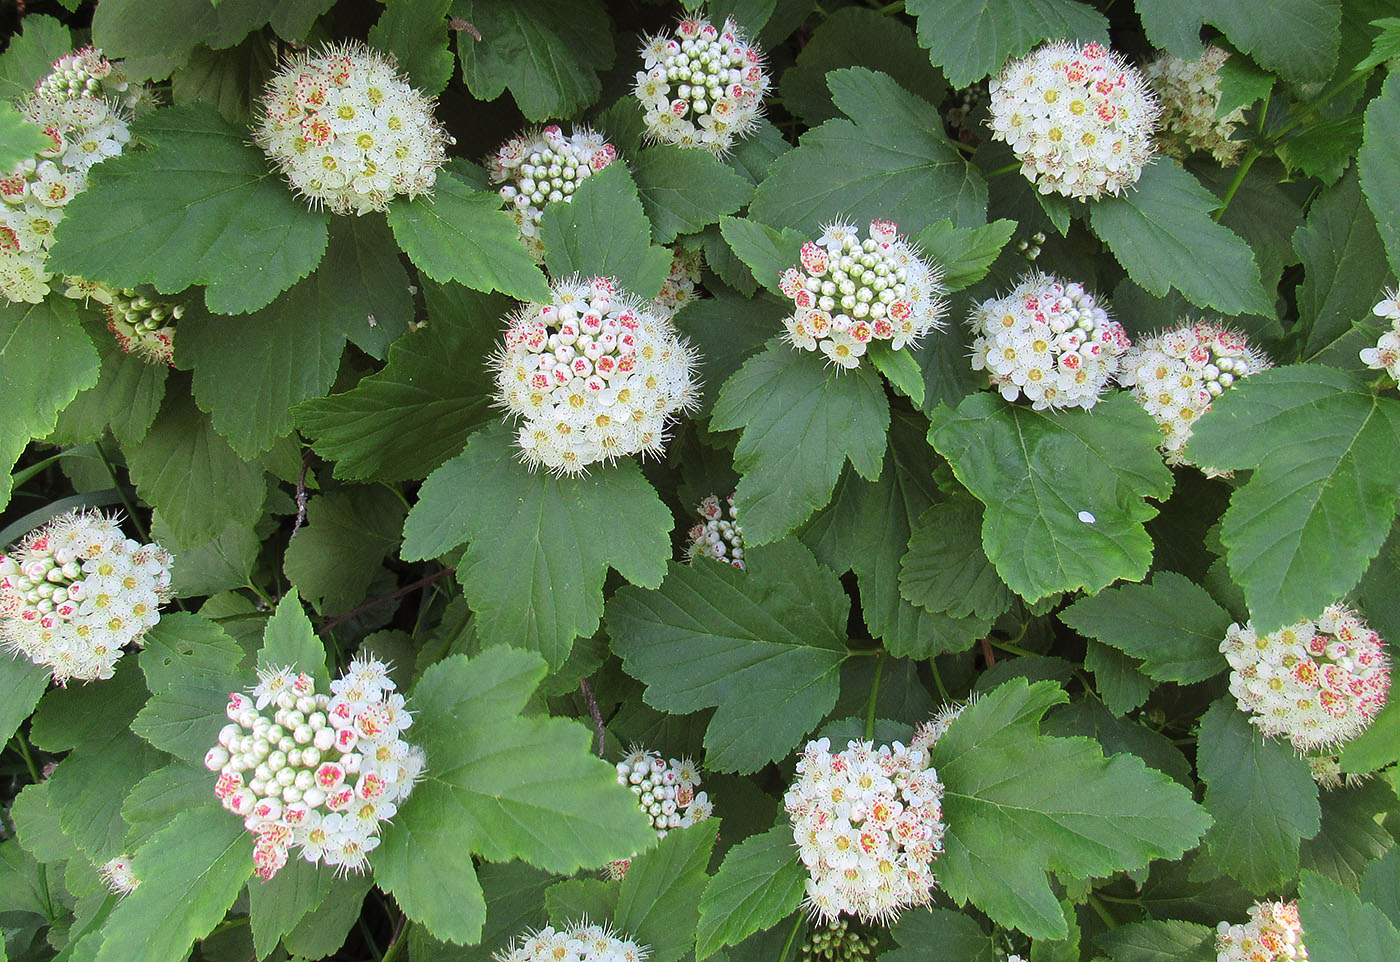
pixel 119 876
pixel 1189 92
pixel 849 292
pixel 75 591
pixel 702 86
pixel 837 940
pixel 1049 341
pixel 1274 933
pixel 595 374
pixel 318 772
pixel 1385 356
pixel 1029 248
pixel 143 324
pixel 868 823
pixel 572 942
pixel 542 166
pixel 719 536
pixel 348 131
pixel 1176 375
pixel 1317 683
pixel 1077 117
pixel 678 289
pixel 83 107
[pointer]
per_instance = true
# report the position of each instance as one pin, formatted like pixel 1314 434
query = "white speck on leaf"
pixel 1087 518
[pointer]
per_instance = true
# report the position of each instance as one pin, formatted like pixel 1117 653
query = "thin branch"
pixel 332 623
pixel 301 495
pixel 593 710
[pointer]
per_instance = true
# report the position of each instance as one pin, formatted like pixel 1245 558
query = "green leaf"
pixel 603 232
pixel 1336 245
pixel 538 547
pixel 515 903
pixel 1376 747
pixel 126 397
pixel 767 252
pixel 1322 150
pixel 1298 40
pixel 362 285
pixel 91 783
pixel 945 569
pixel 892 160
pixel 191 666
pixel 189 473
pixel 1339 927
pixel 1301 532
pixel 1064 492
pixel 1172 624
pixel 1163 235
pixel 500 785
pixel 230 81
pixel 1117 678
pixel 46 358
pixel 31 55
pixel 964 254
pixel 199 206
pixel 580 898
pixel 685 190
pixel 1019 805
pixel 191 872
pixel 1352 836
pixel 759 884
pixel 1381 885
pixel 901 370
pixel 800 422
pixel 1386 45
pixel 22 684
pixel 547 52
pixel 856 37
pixel 1261 795
pixel 726 329
pixel 1089 718
pixel 658 904
pixel 1166 940
pixel 152 37
pixel 324 930
pixel 276 906
pixel 970 41
pixel 348 533
pixel 166 792
pixel 1380 168
pixel 19 139
pixel 459 234
pixel 289 641
pixel 1241 84
pixel 939 935
pixel 407 419
pixel 762 646
pixel 415 32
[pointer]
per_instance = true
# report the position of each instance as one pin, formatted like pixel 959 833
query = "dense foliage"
pixel 894 481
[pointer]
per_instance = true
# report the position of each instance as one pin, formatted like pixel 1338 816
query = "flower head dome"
pixel 1317 683
pixel 348 131
pixel 665 792
pixel 1176 375
pixel 595 375
pixel 719 535
pixel 849 292
pixel 1077 116
pixel 678 289
pixel 868 823
pixel 1385 356
pixel 1189 92
pixel 1274 933
pixel 1048 340
pixel 319 772
pixel 701 86
pixel 573 942
pixel 75 591
pixel 542 166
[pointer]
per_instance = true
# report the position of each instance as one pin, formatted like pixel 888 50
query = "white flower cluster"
pixel 849 292
pixel 1049 341
pixel 678 289
pixel 322 772
pixel 1385 356
pixel 1078 118
pixel 572 942
pixel 595 374
pixel 1274 933
pixel 1317 683
pixel 75 591
pixel 701 87
pixel 542 166
pixel 719 536
pixel 143 324
pixel 1176 375
pixel 119 875
pixel 837 940
pixel 83 107
pixel 666 793
pixel 1189 92
pixel 348 131
pixel 868 823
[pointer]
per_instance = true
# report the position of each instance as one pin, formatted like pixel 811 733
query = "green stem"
pixel 1014 649
pixel 891 8
pixel 1248 162
pixel 1009 168
pixel 121 490
pixel 396 946
pixel 24 752
pixel 262 595
pixel 1313 106
pixel 1103 913
pixel 367 935
pixel 870 704
pixel 792 937
pixel 242 615
pixel 938 681
pixel 864 652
